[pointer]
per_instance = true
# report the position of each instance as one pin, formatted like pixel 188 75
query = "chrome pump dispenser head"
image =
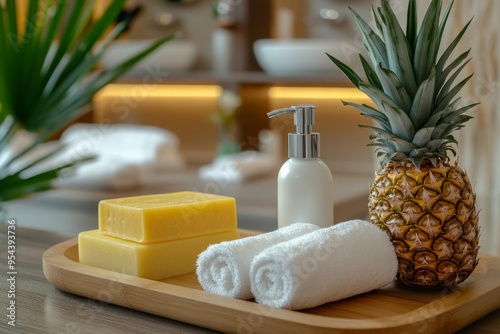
pixel 303 143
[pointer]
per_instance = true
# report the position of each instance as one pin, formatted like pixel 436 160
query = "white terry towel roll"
pixel 223 268
pixel 324 266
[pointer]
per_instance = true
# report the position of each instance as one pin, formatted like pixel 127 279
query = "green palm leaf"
pixel 47 77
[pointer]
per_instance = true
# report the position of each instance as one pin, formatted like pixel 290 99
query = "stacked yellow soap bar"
pixel 157 236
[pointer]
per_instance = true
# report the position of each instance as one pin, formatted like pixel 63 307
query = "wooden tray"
pixel 393 309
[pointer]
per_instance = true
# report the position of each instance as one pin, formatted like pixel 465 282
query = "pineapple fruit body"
pixel 430 216
pixel 425 204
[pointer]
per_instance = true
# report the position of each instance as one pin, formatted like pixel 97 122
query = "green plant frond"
pixel 371 75
pixel 16 186
pixel 82 96
pixel 29 45
pixel 67 38
pixel 31 18
pixel 399 54
pixel 11 10
pixel 8 43
pixel 48 77
pixel 7 131
pixel 374 44
pixel 422 104
pixel 394 88
pixel 426 46
pixel 37 141
pixel 55 93
pixel 57 149
pixel 53 96
pixel 89 39
pixel 84 19
pixel 113 73
pixel 46 41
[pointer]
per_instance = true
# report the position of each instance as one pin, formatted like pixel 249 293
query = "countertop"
pixel 42 308
pixel 74 210
pixel 46 219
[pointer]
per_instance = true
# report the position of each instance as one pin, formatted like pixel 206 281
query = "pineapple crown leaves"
pixel 411 84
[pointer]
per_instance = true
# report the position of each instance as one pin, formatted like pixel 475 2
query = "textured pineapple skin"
pixel 430 216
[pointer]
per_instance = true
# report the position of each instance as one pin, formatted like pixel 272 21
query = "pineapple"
pixel 424 202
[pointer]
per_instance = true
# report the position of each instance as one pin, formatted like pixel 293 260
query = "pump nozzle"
pixel 304 143
pixel 303 116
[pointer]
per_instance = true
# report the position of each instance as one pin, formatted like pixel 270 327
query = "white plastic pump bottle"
pixel 305 183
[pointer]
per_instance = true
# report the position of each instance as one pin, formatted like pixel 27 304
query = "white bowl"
pixel 303 57
pixel 176 55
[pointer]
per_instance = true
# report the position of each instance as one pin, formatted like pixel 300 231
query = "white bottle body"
pixel 305 193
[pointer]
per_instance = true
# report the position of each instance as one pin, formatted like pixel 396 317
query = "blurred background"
pixel 234 61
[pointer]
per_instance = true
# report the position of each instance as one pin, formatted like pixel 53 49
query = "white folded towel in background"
pixel 330 264
pixel 128 155
pixel 135 144
pixel 246 165
pixel 223 268
pixel 102 174
pixel 238 167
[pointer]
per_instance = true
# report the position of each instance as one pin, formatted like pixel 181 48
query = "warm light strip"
pixel 172 91
pixel 315 93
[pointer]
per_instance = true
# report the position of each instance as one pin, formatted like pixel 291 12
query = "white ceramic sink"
pixel 176 55
pixel 303 57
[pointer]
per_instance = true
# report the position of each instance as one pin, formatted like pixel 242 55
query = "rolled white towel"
pixel 323 266
pixel 223 268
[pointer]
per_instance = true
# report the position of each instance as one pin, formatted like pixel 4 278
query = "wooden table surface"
pixel 42 308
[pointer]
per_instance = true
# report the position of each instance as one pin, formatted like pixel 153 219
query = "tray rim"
pixel 62 271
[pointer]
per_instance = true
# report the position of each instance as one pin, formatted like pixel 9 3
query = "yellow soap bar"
pixel 155 218
pixel 154 261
